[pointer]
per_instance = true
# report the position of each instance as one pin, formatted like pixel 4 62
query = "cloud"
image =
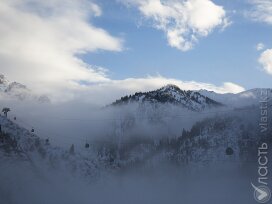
pixel 183 22
pixel 261 11
pixel 260 46
pixel 41 40
pixel 266 61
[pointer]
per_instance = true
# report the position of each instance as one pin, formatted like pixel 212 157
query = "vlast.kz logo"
pixel 262 193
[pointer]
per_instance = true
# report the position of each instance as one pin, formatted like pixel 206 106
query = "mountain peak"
pixel 3 80
pixel 15 86
pixel 171 94
pixel 170 87
pixel 19 91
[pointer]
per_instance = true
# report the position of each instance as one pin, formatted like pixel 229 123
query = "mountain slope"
pixel 172 94
pixel 245 98
pixel 207 141
pixel 18 144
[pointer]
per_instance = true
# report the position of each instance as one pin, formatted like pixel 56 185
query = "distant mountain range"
pixel 19 91
pixel 245 98
pixel 195 100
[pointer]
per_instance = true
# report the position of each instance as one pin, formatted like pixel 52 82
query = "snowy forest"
pixel 151 147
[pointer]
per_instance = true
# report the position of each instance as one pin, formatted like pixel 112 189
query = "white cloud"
pixel 260 46
pixel 183 21
pixel 266 61
pixel 261 11
pixel 40 42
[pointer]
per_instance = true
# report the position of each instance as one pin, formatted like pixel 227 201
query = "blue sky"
pixel 228 55
pixel 68 49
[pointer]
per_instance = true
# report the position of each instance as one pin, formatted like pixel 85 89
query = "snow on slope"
pixel 245 98
pixel 3 82
pixel 172 94
pixel 205 141
pixel 19 144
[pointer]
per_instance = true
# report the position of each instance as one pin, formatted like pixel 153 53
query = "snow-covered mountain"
pixel 20 144
pixel 128 144
pixel 245 98
pixel 3 82
pixel 206 141
pixel 34 171
pixel 19 91
pixel 172 94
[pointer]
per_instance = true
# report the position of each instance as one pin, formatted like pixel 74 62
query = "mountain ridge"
pixel 244 98
pixel 171 94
